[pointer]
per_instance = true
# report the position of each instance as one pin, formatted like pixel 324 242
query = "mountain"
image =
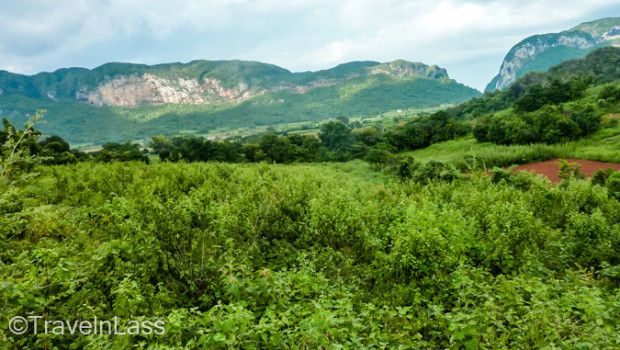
pixel 599 67
pixel 565 80
pixel 119 101
pixel 540 52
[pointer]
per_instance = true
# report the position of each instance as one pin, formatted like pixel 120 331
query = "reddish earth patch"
pixel 614 116
pixel 551 168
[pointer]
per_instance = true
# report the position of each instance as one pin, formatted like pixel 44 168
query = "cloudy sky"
pixel 468 37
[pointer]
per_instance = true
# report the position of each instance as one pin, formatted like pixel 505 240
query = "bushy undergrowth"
pixel 265 256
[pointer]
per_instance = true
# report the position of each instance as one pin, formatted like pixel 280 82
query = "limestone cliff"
pixel 540 52
pixel 148 89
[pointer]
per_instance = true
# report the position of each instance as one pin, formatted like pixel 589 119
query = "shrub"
pixel 500 174
pixel 436 170
pixel 613 184
pixel 570 170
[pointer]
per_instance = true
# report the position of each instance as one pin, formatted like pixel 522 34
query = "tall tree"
pixel 336 136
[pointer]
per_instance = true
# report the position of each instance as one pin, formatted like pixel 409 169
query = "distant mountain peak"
pixel 540 52
pixel 404 68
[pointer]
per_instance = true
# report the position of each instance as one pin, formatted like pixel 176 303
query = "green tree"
pixel 343 119
pixel 310 150
pixel 613 184
pixel 570 170
pixel 252 152
pixel 57 151
pixel 277 148
pixel 336 136
pixel 19 148
pixel 159 143
pixel 126 151
pixel 378 158
pixel 369 136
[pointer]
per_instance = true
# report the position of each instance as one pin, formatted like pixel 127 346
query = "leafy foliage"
pixel 20 150
pixel 271 256
pixel 423 131
pixel 124 152
pixel 330 255
pixel 570 170
pixel 17 147
pixel 563 104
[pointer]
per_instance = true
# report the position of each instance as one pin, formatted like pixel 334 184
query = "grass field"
pixel 466 152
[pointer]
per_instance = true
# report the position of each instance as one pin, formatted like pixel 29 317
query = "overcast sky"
pixel 468 37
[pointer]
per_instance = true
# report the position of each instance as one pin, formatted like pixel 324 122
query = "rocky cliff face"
pixel 540 52
pixel 148 89
pixel 129 91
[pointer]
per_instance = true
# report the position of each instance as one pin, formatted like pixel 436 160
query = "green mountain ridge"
pixel 540 52
pixel 119 101
pixel 67 83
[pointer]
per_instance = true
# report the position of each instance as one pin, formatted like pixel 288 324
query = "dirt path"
pixel 551 168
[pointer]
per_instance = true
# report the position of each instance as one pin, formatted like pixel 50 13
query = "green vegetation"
pixel 259 256
pixel 123 152
pixel 423 131
pixel 280 97
pixel 336 143
pixel 563 105
pixel 467 154
pixel 566 103
pixel 22 149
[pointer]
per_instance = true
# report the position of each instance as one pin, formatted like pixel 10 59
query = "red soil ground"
pixel 551 168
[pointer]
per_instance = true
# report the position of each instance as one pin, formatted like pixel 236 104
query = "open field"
pixel 466 153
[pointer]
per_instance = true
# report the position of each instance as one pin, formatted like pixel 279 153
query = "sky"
pixel 467 37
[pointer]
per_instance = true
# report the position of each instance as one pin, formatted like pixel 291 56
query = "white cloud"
pixel 454 34
pixel 469 37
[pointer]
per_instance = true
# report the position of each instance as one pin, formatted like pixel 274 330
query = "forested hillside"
pixel 119 102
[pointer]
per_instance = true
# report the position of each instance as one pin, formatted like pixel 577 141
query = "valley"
pixel 239 205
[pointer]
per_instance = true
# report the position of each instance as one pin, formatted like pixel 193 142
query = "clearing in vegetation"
pixel 551 168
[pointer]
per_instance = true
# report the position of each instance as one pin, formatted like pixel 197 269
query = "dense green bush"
pixel 613 184
pixel 609 93
pixel 123 152
pixel 562 104
pixel 21 149
pixel 435 170
pixel 298 256
pixel 423 131
pixel 548 124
